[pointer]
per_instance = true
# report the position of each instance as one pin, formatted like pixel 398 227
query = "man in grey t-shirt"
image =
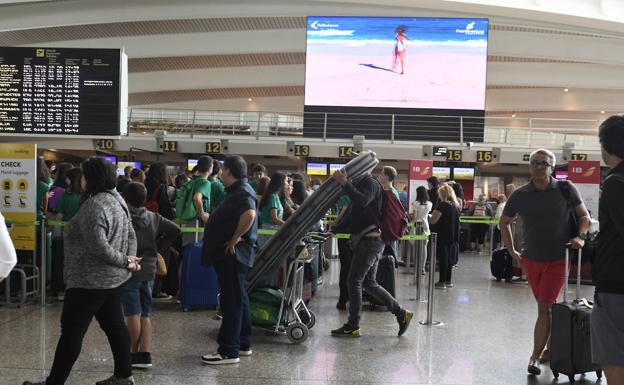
pixel 544 205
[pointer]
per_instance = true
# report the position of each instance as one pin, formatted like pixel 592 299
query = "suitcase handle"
pixel 568 247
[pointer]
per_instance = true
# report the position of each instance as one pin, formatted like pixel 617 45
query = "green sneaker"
pixel 346 330
pixel 404 321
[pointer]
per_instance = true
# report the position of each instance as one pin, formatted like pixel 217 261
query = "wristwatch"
pixel 128 262
pixel 583 236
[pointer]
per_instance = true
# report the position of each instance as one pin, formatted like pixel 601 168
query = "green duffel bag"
pixel 264 306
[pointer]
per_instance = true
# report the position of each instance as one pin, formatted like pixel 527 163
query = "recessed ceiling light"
pixel 249 100
pixel 513 115
pixel 565 90
pixel 602 112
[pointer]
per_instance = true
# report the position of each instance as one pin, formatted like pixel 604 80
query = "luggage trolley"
pixel 287 313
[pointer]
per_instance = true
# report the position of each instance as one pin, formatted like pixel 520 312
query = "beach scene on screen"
pixel 437 63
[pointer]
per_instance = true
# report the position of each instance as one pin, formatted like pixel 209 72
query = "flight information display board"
pixel 63 91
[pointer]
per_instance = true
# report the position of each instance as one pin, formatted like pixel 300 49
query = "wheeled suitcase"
pixel 386 278
pixel 199 287
pixel 570 333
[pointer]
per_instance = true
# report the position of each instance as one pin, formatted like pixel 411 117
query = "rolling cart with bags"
pixel 283 311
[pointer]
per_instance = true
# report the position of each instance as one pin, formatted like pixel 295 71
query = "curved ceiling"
pixel 199 54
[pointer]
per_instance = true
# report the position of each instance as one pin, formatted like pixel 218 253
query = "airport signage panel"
pixel 462 173
pixel 317 169
pixel 63 91
pixel 442 172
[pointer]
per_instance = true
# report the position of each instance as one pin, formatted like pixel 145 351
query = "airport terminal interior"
pixel 463 92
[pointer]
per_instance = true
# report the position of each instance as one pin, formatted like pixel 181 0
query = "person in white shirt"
pixel 8 256
pixel 420 214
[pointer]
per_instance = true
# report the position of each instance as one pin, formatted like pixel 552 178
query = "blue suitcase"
pixel 199 287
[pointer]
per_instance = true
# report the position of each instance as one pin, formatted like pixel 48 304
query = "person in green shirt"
pixel 387 178
pixel 258 171
pixel 69 203
pixel 343 202
pixel 217 189
pixel 286 199
pixel 201 189
pixel 271 209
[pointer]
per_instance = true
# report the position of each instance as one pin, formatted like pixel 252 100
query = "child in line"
pixel 154 234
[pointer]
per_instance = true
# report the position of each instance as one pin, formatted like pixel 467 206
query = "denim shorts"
pixel 137 298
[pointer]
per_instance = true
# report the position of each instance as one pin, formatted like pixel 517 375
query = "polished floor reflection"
pixel 486 340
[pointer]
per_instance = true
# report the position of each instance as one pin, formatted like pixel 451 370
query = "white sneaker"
pixel 245 353
pixel 218 359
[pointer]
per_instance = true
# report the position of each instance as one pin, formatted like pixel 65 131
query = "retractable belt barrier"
pixel 194 229
pixel 337 236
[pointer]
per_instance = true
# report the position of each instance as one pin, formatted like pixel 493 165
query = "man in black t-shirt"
pixel 230 245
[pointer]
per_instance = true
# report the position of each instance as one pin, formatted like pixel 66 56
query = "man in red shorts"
pixel 544 206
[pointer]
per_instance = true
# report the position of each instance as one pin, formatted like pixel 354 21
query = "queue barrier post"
pixel 418 264
pixel 44 261
pixel 432 264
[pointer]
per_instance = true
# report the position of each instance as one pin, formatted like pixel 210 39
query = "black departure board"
pixel 61 91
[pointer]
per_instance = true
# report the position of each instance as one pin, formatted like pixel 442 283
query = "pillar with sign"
pixel 585 174
pixel 419 171
pixel 18 174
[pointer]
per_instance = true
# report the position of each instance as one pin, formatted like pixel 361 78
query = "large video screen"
pixel 396 62
pixel 419 75
pixel 63 91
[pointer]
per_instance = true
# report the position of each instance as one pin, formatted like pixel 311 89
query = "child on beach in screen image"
pixel 399 48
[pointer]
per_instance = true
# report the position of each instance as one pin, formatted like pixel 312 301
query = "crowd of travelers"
pixel 120 230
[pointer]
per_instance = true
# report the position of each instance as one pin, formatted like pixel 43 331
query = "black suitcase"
pixel 570 334
pixel 501 265
pixel 386 277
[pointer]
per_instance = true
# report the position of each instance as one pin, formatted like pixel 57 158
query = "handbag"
pixel 161 266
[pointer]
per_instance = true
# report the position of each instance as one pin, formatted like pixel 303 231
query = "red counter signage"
pixel 420 169
pixel 584 171
pixel 585 174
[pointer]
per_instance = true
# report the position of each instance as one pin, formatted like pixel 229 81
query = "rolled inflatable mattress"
pixel 313 209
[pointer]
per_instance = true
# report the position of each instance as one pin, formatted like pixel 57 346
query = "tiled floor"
pixel 486 339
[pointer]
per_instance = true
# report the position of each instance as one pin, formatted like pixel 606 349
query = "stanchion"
pixel 492 225
pixel 44 260
pixel 421 249
pixel 432 263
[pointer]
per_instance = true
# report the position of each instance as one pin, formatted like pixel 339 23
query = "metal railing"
pixel 525 132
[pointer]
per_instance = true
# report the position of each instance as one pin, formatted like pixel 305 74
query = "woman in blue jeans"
pixel 100 249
